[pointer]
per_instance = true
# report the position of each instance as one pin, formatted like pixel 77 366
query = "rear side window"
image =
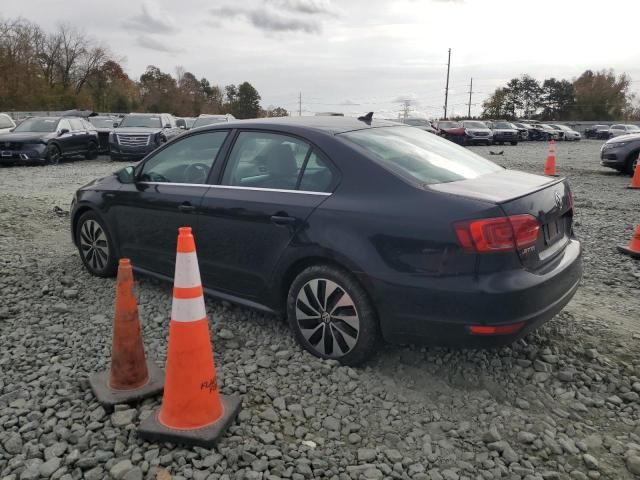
pixel 419 156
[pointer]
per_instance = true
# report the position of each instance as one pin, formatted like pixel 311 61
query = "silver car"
pixel 617 130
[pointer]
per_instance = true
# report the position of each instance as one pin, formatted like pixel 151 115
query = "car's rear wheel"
pixel 92 151
pixel 95 246
pixel 514 143
pixel 53 154
pixel 632 163
pixel 332 316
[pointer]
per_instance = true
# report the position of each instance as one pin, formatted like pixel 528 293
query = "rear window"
pixel 419 156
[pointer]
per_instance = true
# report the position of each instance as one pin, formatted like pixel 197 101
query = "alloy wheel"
pixel 327 318
pixel 94 245
pixel 54 155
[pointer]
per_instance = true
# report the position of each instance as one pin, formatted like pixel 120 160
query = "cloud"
pixel 268 20
pixel 151 20
pixel 310 7
pixel 151 43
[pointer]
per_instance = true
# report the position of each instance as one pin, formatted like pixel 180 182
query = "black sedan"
pixel 40 140
pixel 355 230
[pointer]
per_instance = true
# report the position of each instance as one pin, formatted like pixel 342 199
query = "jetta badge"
pixel 558 199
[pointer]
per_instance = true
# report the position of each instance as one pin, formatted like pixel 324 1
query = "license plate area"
pixel 553 231
pixel 6 153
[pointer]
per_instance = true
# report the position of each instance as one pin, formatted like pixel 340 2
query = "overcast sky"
pixel 358 55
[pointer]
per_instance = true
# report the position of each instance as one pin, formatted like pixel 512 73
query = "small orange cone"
pixel 131 377
pixel 635 181
pixel 193 412
pixel 634 246
pixel 550 164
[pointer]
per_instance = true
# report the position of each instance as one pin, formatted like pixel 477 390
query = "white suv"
pixel 617 130
pixel 6 123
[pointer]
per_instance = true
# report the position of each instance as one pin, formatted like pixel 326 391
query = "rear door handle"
pixel 282 219
pixel 186 207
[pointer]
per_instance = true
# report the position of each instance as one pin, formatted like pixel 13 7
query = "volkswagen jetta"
pixel 355 230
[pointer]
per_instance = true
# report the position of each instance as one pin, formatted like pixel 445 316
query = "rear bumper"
pixel 439 311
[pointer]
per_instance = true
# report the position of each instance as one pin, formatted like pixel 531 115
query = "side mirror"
pixel 126 175
pixel 115 124
pixel 63 131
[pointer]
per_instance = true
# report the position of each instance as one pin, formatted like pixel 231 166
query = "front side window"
pixel 76 124
pixel 187 160
pixel 64 125
pixel 5 122
pixel 420 157
pixel 265 160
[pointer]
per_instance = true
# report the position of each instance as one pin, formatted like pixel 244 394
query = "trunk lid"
pixel 547 199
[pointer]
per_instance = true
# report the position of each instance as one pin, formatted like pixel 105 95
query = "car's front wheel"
pixel 632 163
pixel 53 154
pixel 332 316
pixel 95 245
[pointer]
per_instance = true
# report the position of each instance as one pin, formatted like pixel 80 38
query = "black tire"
pixel 95 245
pixel 488 144
pixel 53 155
pixel 514 143
pixel 631 165
pixel 357 339
pixel 501 143
pixel 92 151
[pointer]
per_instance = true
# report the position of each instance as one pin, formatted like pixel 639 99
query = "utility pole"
pixel 300 105
pixel 446 90
pixel 470 92
pixel 406 109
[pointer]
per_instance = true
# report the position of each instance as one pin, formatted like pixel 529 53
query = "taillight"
pixel 495 330
pixel 498 234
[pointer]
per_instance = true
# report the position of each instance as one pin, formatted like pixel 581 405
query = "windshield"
pixel 633 127
pixel 448 125
pixel 200 122
pixel 474 124
pixel 141 121
pixel 103 122
pixel 502 125
pixel 419 156
pixel 5 122
pixel 38 125
pixel 556 127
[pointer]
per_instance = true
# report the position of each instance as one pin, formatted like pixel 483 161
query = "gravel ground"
pixel 562 404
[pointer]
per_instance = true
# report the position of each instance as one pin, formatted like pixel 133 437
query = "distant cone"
pixel 635 181
pixel 131 377
pixel 193 412
pixel 634 246
pixel 550 164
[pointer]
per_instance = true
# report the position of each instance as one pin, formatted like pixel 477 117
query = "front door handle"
pixel 282 219
pixel 186 207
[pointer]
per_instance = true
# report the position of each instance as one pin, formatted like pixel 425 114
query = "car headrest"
pixel 280 162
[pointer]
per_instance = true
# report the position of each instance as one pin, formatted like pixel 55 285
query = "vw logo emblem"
pixel 558 200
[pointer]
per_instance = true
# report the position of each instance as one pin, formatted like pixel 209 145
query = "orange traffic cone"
pixel 635 181
pixel 193 412
pixel 550 164
pixel 131 377
pixel 634 246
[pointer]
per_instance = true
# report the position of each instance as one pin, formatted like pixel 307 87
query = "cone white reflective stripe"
pixel 187 273
pixel 188 309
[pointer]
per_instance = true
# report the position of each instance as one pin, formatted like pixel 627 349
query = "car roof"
pixel 332 125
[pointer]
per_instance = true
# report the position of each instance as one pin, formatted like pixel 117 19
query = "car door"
pixel 66 140
pixel 261 202
pixel 80 135
pixel 166 195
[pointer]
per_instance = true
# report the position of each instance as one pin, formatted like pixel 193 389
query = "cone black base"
pixel 628 251
pixel 152 430
pixel 108 397
pixel 633 188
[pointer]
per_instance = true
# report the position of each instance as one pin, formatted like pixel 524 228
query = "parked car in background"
pixel 621 153
pixel 206 119
pixel 523 131
pixel 617 130
pixel 421 123
pixel 558 130
pixel 140 133
pixel 597 131
pixel 452 131
pixel 568 133
pixel 6 123
pixel 40 140
pixel 104 126
pixel 353 230
pixel 503 132
pixel 477 133
pixel 185 123
pixel 542 131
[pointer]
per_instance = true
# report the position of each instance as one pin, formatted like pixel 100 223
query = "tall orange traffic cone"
pixel 550 164
pixel 193 412
pixel 634 246
pixel 131 377
pixel 635 181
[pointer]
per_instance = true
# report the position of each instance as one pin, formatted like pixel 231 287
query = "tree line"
pixel 67 69
pixel 599 95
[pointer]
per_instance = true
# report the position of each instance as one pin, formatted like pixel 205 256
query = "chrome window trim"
pixel 233 187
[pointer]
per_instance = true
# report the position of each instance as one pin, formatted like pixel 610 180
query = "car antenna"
pixel 366 118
